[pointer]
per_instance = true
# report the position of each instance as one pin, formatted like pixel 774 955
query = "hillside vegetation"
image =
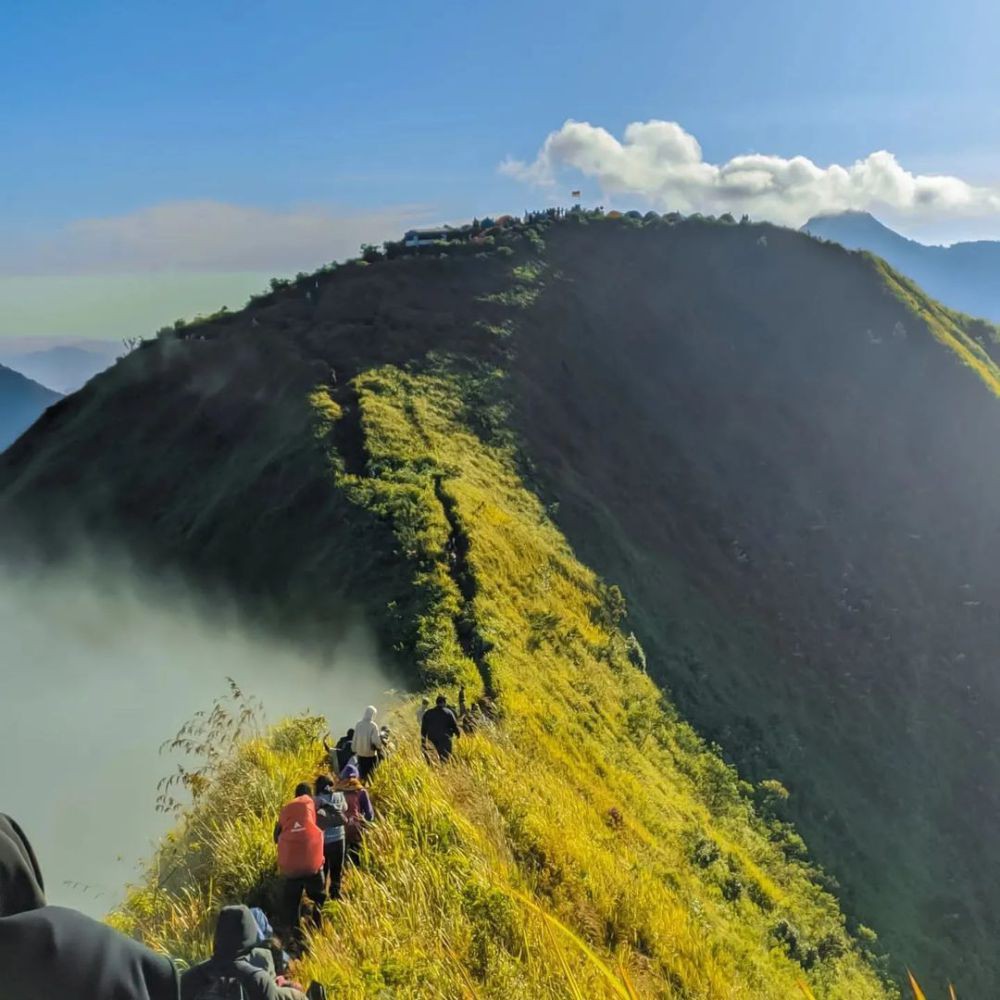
pixel 472 444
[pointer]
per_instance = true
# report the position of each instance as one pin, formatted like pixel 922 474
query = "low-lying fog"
pixel 96 671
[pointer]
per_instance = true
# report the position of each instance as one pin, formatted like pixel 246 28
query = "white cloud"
pixel 662 163
pixel 203 236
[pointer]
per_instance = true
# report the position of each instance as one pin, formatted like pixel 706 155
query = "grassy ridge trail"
pixel 590 818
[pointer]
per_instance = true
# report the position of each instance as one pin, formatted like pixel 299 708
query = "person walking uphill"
pixel 331 812
pixel 50 951
pixel 359 811
pixel 229 971
pixel 367 743
pixel 439 726
pixel 341 754
pixel 300 856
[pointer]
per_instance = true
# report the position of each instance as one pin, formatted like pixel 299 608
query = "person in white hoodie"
pixel 367 743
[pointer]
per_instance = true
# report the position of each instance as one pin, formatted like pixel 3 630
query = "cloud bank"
pixel 203 236
pixel 99 667
pixel 120 275
pixel 663 164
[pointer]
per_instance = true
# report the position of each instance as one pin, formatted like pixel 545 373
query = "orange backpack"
pixel 300 843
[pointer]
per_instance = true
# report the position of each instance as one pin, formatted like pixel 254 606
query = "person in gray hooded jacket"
pixel 236 958
pixel 50 951
pixel 367 743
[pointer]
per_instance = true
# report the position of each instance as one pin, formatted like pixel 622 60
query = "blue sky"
pixel 243 139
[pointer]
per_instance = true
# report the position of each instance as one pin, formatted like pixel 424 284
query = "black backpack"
pixel 222 987
pixel 327 816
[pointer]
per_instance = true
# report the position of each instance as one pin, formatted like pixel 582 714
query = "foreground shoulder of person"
pixel 58 952
pixel 51 951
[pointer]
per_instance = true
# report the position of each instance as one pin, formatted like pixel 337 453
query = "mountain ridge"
pixel 722 463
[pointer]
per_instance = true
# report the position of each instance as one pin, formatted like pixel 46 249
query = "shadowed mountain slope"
pixel 781 451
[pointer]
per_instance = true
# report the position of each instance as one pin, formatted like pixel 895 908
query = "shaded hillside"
pixel 785 455
pixel 21 403
pixel 780 450
pixel 966 276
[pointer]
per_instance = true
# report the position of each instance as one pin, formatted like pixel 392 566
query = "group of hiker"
pixel 52 951
pixel 441 724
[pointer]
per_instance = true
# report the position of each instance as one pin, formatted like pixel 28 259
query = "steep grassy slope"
pixel 591 803
pixel 21 403
pixel 785 455
pixel 741 426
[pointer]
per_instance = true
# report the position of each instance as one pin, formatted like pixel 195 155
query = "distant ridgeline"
pixel 966 276
pixel 783 453
pixel 21 403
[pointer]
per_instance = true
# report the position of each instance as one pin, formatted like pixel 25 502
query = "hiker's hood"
pixel 21 885
pixel 370 712
pixel 235 933
pixel 350 771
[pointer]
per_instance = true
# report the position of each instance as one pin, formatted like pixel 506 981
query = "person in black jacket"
pixel 439 726
pixel 341 754
pixel 49 951
pixel 236 937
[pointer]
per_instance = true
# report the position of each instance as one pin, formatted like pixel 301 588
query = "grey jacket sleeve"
pixel 262 986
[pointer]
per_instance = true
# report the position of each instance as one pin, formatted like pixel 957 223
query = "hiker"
pixel 388 743
pixel 341 754
pixel 470 721
pixel 439 726
pixel 267 940
pixel 230 971
pixel 359 811
pixel 300 856
pixel 51 951
pixel 425 703
pixel 366 743
pixel 331 815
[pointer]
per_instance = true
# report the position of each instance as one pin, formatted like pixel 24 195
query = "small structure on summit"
pixel 424 237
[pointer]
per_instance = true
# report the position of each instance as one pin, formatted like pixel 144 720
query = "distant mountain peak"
pixel 963 275
pixel 851 221
pixel 64 368
pixel 22 402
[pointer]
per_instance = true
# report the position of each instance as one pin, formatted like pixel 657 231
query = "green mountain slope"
pixel 745 429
